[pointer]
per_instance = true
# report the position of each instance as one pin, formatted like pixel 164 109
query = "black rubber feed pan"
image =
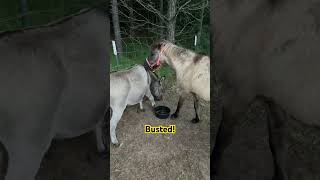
pixel 162 112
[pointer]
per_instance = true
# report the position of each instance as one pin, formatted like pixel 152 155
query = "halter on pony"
pixel 157 63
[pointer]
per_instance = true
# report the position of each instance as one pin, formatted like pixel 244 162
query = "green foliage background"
pixel 136 45
pixel 40 11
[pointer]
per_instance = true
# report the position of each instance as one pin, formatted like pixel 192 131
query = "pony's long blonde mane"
pixel 173 50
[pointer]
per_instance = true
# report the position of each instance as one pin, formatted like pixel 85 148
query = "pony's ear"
pixel 163 43
pixel 160 45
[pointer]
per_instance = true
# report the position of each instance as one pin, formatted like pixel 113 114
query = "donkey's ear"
pixel 162 78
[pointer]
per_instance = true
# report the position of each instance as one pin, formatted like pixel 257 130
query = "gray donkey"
pixel 52 86
pixel 129 87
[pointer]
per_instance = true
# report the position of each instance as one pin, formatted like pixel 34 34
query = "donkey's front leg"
pixel 223 139
pixel 101 145
pixel 277 127
pixel 150 97
pixel 140 109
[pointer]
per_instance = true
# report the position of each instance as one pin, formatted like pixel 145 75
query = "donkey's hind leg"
pixel 196 108
pixel 24 159
pixel 277 124
pixel 116 116
pixel 223 139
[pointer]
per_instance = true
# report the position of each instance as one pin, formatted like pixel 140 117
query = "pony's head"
pixel 156 57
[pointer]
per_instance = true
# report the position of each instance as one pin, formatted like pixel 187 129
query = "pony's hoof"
pixel 195 120
pixel 173 116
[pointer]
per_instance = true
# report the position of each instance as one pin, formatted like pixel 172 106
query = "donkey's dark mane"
pixel 50 24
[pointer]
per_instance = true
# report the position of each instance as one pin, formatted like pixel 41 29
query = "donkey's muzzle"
pixel 158 98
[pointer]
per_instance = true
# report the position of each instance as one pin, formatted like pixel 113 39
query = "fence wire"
pixel 136 50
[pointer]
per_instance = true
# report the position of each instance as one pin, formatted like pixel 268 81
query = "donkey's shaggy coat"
pixel 129 87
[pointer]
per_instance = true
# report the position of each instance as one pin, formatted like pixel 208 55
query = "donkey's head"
pixel 156 57
pixel 156 86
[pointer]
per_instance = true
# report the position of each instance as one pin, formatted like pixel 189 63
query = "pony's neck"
pixel 174 59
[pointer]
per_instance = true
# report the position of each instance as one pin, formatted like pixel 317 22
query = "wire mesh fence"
pixel 136 50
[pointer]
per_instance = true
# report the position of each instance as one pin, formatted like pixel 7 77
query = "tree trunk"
pixel 200 22
pixel 24 10
pixel 162 36
pixel 116 25
pixel 131 14
pixel 172 20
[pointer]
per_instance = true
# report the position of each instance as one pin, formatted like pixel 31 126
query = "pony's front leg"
pixel 196 108
pixel 180 103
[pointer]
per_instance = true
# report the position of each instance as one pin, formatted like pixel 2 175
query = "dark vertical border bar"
pixel 215 94
pixel 107 116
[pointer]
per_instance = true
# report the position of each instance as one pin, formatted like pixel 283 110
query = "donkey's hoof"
pixel 215 170
pixel 279 177
pixel 173 116
pixel 195 120
pixel 141 110
pixel 116 144
pixel 103 154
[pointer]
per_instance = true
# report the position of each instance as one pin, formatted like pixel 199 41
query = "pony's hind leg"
pixel 196 108
pixel 277 123
pixel 180 103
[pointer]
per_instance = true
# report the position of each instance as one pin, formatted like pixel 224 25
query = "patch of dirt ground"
pixel 183 155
